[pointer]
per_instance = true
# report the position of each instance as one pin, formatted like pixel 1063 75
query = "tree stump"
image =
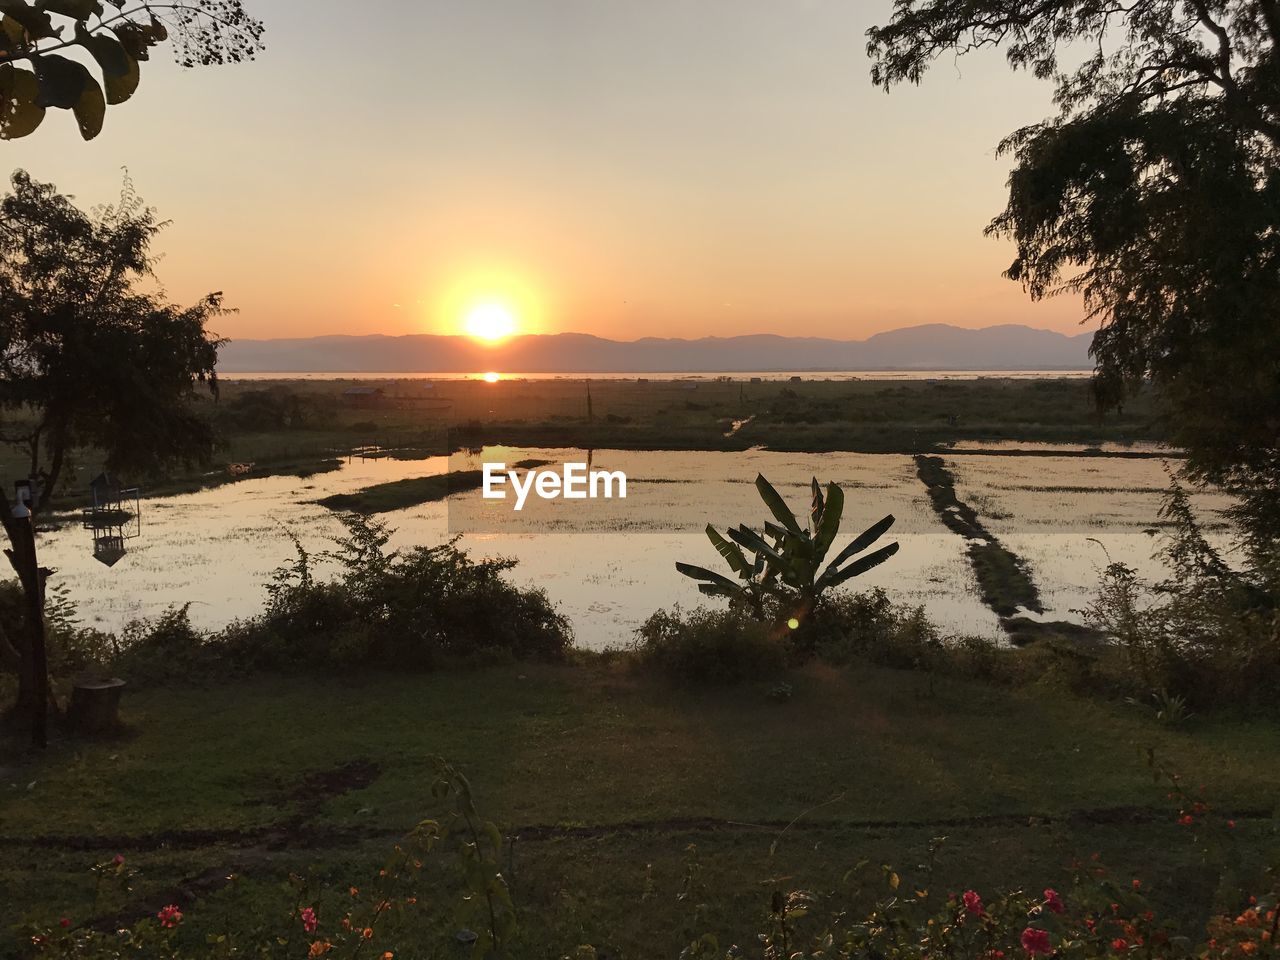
pixel 95 705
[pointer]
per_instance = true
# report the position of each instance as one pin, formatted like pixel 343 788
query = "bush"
pixel 431 606
pixel 167 648
pixel 867 626
pixel 708 646
pixel 1205 639
pixel 415 610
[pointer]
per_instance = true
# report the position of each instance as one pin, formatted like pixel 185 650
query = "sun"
pixel 489 321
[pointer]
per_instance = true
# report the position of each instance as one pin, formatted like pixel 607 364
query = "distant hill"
pixel 934 346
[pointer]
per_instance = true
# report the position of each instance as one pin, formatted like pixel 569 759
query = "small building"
pixel 363 397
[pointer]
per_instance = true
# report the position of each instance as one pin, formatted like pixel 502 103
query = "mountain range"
pixel 929 347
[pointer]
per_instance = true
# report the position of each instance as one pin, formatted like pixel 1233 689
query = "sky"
pixel 626 168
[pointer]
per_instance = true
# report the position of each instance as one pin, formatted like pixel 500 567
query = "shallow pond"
pixel 607 564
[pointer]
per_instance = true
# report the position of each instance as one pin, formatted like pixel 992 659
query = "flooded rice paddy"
pixel 608 564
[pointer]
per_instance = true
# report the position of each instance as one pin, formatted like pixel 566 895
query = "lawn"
pixel 608 776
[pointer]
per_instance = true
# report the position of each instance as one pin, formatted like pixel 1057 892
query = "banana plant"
pixel 755 575
pixel 788 558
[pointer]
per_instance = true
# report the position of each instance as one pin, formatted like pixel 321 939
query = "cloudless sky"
pixel 621 167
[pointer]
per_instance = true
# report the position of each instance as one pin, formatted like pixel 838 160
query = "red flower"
pixel 309 921
pixel 1036 941
pixel 1119 944
pixel 973 902
pixel 1053 901
pixel 169 916
pixel 1186 820
pixel 64 922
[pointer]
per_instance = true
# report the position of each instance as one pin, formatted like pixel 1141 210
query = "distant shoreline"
pixel 776 376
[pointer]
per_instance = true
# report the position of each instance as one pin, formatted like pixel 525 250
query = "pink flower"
pixel 118 860
pixel 1036 941
pixel 169 916
pixel 64 922
pixel 1053 901
pixel 973 902
pixel 309 921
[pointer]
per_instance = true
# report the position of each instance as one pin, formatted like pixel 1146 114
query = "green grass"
pixel 815 415
pixel 399 494
pixel 606 771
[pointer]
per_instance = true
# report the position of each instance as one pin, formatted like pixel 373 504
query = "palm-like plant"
pixel 787 558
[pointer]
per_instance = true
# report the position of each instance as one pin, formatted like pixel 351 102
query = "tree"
pixel 1155 193
pixel 114 37
pixel 787 560
pixel 88 361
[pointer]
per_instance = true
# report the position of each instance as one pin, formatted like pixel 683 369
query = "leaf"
pixel 816 505
pixel 62 81
pixel 702 573
pixel 777 506
pixel 731 553
pixel 824 533
pixel 20 111
pixel 78 10
pixel 14 32
pixel 119 70
pixel 36 22
pixel 90 110
pixel 863 540
pixel 748 538
pixel 773 530
pixel 138 38
pixel 833 578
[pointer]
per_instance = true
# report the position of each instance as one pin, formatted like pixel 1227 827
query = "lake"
pixel 608 564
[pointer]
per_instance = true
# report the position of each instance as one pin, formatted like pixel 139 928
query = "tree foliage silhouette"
pixel 89 360
pixel 36 72
pixel 1155 193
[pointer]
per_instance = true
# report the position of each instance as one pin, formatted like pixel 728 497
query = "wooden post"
pixel 95 705
pixel 22 534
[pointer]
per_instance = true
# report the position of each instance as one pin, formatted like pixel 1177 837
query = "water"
pixel 769 375
pixel 608 564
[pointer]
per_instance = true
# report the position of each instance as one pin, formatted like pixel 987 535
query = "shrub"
pixel 167 648
pixel 867 626
pixel 430 606
pixel 400 610
pixel 708 646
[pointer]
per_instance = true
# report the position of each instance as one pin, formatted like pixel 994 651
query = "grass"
pixel 399 494
pixel 603 770
pixel 815 415
pixel 1004 582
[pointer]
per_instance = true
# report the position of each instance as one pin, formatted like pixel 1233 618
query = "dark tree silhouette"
pixel 91 361
pixel 113 37
pixel 1155 192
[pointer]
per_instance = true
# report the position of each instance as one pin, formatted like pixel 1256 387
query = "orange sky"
pixel 628 169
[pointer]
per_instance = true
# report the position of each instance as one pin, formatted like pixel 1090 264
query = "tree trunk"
pixel 33 669
pixel 95 705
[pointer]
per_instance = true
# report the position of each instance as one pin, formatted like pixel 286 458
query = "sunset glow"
pixel 492 377
pixel 490 321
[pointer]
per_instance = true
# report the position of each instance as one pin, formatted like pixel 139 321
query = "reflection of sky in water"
pixel 608 564
pixel 1068 517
